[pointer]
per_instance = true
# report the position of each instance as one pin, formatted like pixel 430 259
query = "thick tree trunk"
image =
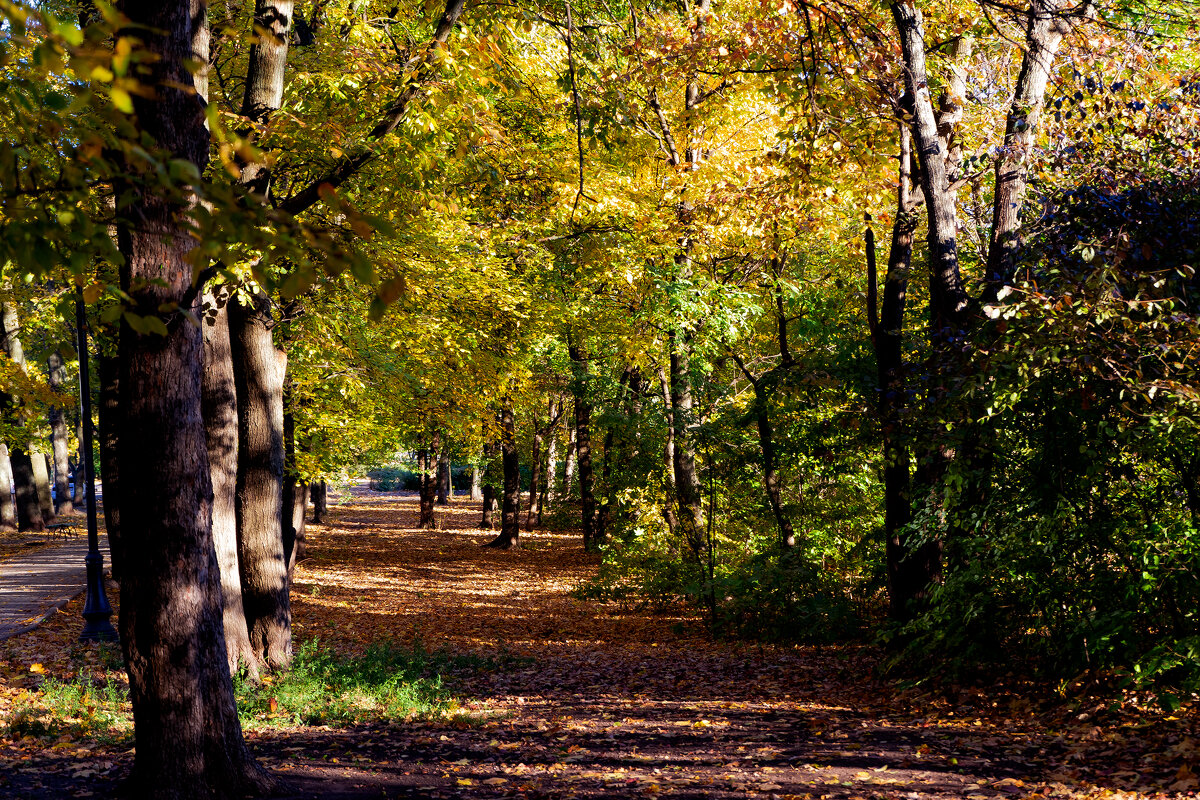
pixel 259 371
pixel 583 446
pixel 188 741
pixel 510 514
pixel 219 404
pixel 320 500
pixel 8 509
pixel 58 437
pixel 109 410
pixel 41 484
pixel 29 507
pixel 476 483
pixel 443 479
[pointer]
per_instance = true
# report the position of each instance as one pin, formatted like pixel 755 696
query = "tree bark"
pixel 905 574
pixel 259 370
pixel 1047 25
pixel 476 483
pixel 550 487
pixel 41 484
pixel 8 509
pixel 295 491
pixel 583 445
pixel 29 507
pixel 535 476
pixel 188 741
pixel 427 462
pixel 320 501
pixel 572 458
pixel 109 368
pixel 510 514
pixel 670 501
pixel 443 479
pixel 219 405
pixel 487 521
pixel 687 479
pixel 58 437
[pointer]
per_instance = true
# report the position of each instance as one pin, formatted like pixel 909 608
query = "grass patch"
pixel 389 682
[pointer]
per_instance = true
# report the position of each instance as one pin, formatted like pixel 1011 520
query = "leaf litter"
pixel 565 698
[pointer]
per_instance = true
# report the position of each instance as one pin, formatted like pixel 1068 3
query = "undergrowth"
pixel 388 682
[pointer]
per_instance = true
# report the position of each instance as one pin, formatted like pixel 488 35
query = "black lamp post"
pixel 96 609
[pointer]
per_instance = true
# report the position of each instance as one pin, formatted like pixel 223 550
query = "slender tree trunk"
pixel 219 404
pixel 774 487
pixel 259 373
pixel 188 741
pixel 58 437
pixel 905 578
pixel 535 476
pixel 670 501
pixel 510 515
pixel 295 490
pixel 320 500
pixel 583 445
pixel 572 458
pixel 110 415
pixel 8 509
pixel 687 479
pixel 427 459
pixel 487 521
pixel 78 493
pixel 550 487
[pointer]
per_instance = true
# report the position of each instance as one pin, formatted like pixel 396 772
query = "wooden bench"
pixel 64 529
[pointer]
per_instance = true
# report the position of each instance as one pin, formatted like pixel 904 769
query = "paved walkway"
pixel 34 585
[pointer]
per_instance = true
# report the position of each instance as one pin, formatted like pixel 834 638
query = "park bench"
pixel 64 529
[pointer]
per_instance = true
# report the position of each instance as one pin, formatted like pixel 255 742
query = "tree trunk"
pixel 571 459
pixel 670 501
pixel 510 527
pixel 427 462
pixel 535 476
pixel 29 507
pixel 1044 33
pixel 219 405
pixel 58 437
pixel 295 491
pixel 905 581
pixel 550 486
pixel 320 500
pixel 41 483
pixel 188 741
pixel 110 415
pixel 687 480
pixel 476 483
pixel 487 521
pixel 8 509
pixel 583 445
pixel 259 372
pixel 443 479
pixel 78 495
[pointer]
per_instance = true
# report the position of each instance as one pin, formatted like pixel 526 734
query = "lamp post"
pixel 96 609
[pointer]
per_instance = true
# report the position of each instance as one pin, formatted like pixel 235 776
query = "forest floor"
pixel 577 699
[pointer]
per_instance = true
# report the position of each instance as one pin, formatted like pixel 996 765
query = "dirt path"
pixel 600 701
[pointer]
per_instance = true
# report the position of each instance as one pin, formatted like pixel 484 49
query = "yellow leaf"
pixel 37 668
pixel 121 99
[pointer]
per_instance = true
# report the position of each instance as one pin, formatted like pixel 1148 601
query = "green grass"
pixel 389 682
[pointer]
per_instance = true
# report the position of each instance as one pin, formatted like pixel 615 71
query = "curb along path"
pixel 36 584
